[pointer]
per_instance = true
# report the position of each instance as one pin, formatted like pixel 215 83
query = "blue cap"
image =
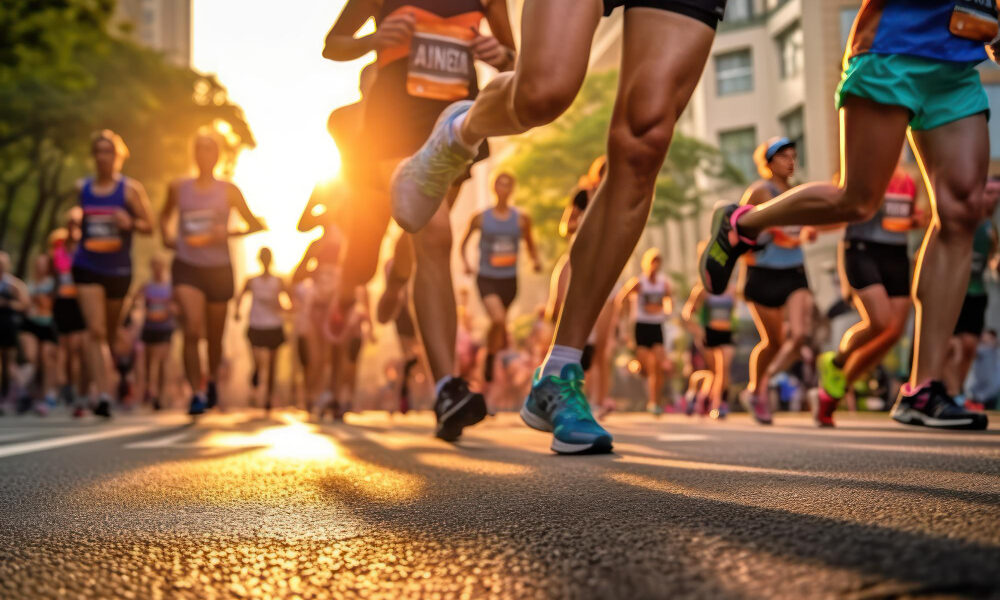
pixel 777 146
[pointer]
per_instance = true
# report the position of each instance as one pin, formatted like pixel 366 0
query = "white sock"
pixel 440 384
pixel 456 127
pixel 557 358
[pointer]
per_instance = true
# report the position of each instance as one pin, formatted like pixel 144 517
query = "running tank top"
pixel 202 224
pixel 42 295
pixel 781 246
pixel 649 300
pixel 893 219
pixel 981 244
pixel 157 296
pixel 265 310
pixel 717 312
pixel 499 242
pixel 104 249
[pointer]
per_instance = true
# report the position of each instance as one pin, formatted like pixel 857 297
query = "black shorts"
pixel 42 332
pixel 10 323
pixel 115 286
pixel 156 336
pixel 587 359
pixel 972 319
pixel 870 263
pixel 505 288
pixel 215 282
pixel 716 337
pixel 271 338
pixel 648 335
pixel 772 287
pixel 67 315
pixel 709 12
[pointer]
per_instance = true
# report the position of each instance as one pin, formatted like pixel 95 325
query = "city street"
pixel 237 505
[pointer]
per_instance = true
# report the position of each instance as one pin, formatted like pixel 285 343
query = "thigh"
pixel 192 304
pixel 874 305
pixel 113 315
pixel 92 299
pixel 769 321
pixel 872 136
pixel 955 158
pixel 495 308
pixel 215 317
pixel 556 36
pixel 800 312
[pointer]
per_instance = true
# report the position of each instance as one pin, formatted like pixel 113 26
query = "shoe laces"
pixel 438 164
pixel 574 400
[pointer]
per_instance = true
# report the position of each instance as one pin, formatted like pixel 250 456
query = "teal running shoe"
pixel 558 405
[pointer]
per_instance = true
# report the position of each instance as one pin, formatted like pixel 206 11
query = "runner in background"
pixel 265 325
pixel 14 300
pixel 39 341
pixel 114 206
pixel 710 319
pixel 350 337
pixel 67 315
pixel 195 223
pixel 159 323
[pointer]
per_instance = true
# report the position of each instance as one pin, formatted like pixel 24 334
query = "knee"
pixel 498 322
pixel 960 209
pixel 539 100
pixel 435 237
pixel 639 152
pixel 192 335
pixel 859 201
pixel 97 334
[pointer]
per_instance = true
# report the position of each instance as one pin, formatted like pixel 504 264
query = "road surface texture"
pixel 238 505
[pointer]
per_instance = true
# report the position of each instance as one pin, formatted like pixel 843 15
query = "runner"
pixel 655 87
pixel 265 326
pixel 876 267
pixel 202 271
pixel 907 65
pixel 303 371
pixel 14 300
pixel 114 206
pixel 713 331
pixel 426 51
pixel 394 306
pixel 158 327
pixel 501 229
pixel 39 341
pixel 651 291
pixel 349 333
pixel 776 287
pixel 972 318
pixel 66 313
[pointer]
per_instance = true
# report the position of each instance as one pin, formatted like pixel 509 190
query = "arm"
pixel 498 50
pixel 474 225
pixel 341 45
pixel 237 316
pixel 693 303
pixel 238 202
pixel 668 300
pixel 166 217
pixel 138 203
pixel 22 300
pixel 570 214
pixel 529 242
pixel 621 306
pixel 303 270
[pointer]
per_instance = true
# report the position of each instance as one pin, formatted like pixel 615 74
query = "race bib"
pixel 101 233
pixel 157 311
pixel 503 253
pixel 200 227
pixel 975 20
pixel 720 318
pixel 66 287
pixel 897 212
pixel 652 303
pixel 786 237
pixel 440 65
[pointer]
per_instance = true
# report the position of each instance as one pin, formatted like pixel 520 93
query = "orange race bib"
pixel 786 237
pixel 201 228
pixel 66 287
pixel 975 20
pixel 897 212
pixel 503 253
pixel 440 65
pixel 102 234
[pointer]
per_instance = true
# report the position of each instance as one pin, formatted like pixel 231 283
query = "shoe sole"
pixel 916 418
pixel 466 413
pixel 534 421
pixel 599 446
pixel 717 217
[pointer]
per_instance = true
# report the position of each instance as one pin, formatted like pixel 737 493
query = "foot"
pixel 212 395
pixel 558 404
pixel 823 408
pixel 831 377
pixel 103 408
pixel 757 406
pixel 421 182
pixel 456 408
pixel 197 406
pixel 931 406
pixel 719 257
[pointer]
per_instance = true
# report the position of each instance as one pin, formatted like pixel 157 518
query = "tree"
pixel 64 74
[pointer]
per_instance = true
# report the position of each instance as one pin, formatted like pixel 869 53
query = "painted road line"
pixel 72 440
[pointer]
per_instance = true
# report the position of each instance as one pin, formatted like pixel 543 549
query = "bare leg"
pixel 720 373
pixel 876 313
pixel 192 304
pixel 92 304
pixel 867 356
pixel 215 325
pixel 954 159
pixel 769 323
pixel 800 307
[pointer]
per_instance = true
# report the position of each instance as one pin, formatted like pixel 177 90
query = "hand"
pixel 809 234
pixel 489 50
pixel 123 220
pixel 394 31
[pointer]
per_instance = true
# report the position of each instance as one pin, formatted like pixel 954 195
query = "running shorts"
pixel 935 92
pixel 772 287
pixel 115 286
pixel 972 319
pixel 709 12
pixel 10 322
pixel 717 337
pixel 67 315
pixel 648 335
pixel 156 336
pixel 870 263
pixel 504 288
pixel 215 282
pixel 271 338
pixel 41 331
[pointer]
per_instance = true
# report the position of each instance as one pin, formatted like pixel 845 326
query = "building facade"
pixel 163 25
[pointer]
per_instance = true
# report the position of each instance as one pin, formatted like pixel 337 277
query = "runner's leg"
pixel 192 307
pixel 800 309
pixel 92 304
pixel 215 325
pixel 867 356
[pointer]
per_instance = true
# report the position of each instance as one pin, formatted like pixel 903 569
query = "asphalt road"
pixel 242 506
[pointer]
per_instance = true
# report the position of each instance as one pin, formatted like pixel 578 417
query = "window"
pixel 739 10
pixel 733 73
pixel 794 128
pixel 737 148
pixel 993 92
pixel 847 16
pixel 790 55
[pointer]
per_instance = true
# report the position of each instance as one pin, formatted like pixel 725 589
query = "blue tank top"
pixel 202 224
pixel 157 297
pixel 920 28
pixel 780 247
pixel 103 248
pixel 717 312
pixel 498 244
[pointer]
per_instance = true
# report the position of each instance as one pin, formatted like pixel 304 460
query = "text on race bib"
pixel 440 64
pixel 101 233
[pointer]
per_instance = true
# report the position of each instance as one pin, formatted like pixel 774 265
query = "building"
pixel 163 25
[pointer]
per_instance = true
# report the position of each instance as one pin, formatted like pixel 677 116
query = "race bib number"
pixel 102 234
pixel 975 20
pixel 200 227
pixel 720 318
pixel 503 253
pixel 652 303
pixel 897 212
pixel 157 311
pixel 786 237
pixel 66 287
pixel 440 65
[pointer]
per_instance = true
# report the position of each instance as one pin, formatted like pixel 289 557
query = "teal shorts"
pixel 935 92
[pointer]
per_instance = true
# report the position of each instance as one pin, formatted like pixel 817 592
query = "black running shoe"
pixel 718 259
pixel 931 406
pixel 103 408
pixel 456 408
pixel 212 395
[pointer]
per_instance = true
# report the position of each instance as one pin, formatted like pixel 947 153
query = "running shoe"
pixel 831 377
pixel 197 406
pixel 103 408
pixel 725 246
pixel 931 406
pixel 823 407
pixel 421 182
pixel 756 405
pixel 456 408
pixel 558 405
pixel 78 412
pixel 689 403
pixel 211 395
